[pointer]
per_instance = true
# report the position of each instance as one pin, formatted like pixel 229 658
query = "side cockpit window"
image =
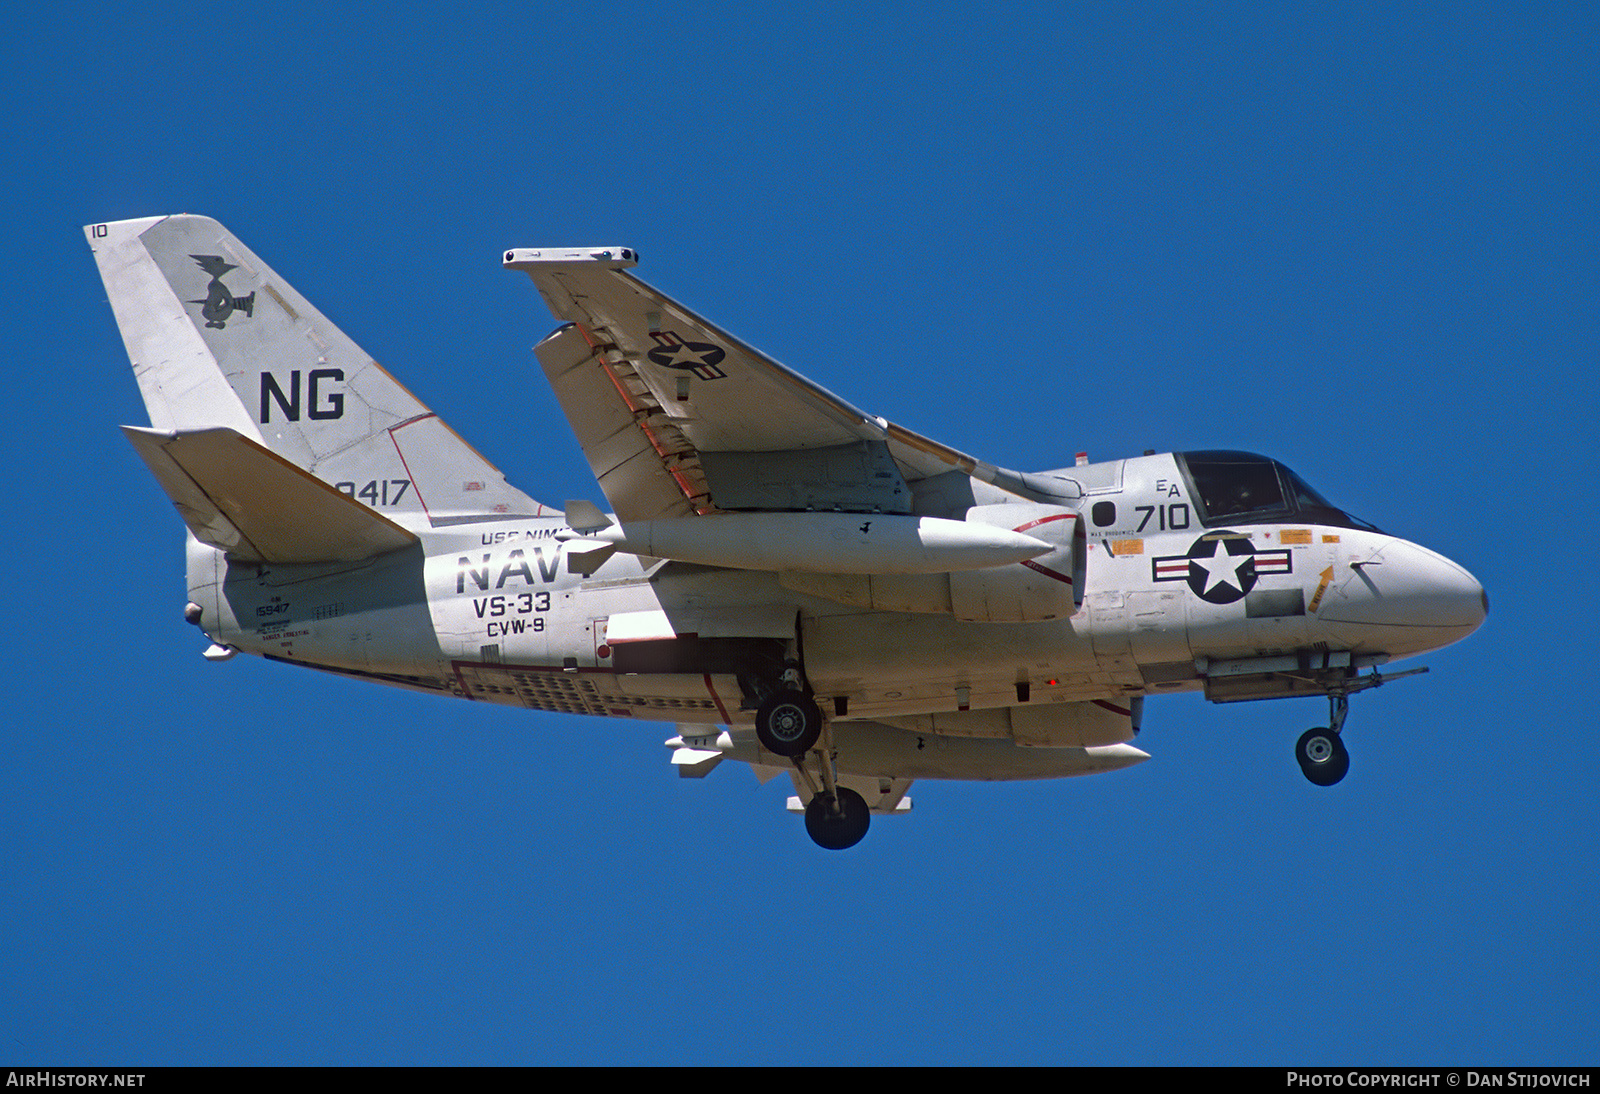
pixel 1304 496
pixel 1236 486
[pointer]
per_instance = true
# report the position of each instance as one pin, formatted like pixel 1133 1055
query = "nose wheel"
pixel 1320 750
pixel 1322 755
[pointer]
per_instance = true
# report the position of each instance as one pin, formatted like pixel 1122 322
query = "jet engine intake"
pixel 1047 586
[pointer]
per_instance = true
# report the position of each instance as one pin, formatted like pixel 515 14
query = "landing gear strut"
pixel 789 723
pixel 836 816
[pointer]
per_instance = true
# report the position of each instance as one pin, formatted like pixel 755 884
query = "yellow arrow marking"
pixel 1327 576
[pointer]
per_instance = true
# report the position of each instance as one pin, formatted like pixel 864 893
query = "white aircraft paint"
pixel 799 585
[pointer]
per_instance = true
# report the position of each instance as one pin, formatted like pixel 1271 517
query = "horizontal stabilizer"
pixel 241 498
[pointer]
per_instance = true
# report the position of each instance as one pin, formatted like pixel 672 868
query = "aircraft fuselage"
pixel 504 615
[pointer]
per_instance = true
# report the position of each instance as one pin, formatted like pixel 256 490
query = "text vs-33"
pixel 521 604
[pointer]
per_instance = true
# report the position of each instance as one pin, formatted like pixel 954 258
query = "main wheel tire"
pixel 841 828
pixel 1323 758
pixel 788 723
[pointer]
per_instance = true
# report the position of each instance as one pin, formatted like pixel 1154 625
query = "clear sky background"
pixel 1362 242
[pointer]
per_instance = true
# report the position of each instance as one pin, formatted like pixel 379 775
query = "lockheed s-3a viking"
pixel 796 583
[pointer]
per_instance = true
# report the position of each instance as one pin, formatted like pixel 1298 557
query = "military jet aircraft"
pixel 798 584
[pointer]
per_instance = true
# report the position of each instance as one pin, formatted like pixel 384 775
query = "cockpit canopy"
pixel 1243 488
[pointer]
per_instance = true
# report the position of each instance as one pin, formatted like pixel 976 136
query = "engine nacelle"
pixel 1046 587
pixel 1049 586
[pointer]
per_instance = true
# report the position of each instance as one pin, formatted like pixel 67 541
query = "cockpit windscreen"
pixel 1243 488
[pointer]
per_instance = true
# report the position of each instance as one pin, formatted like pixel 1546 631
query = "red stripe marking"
pixel 635 408
pixel 455 667
pixel 1032 565
pixel 407 466
pixel 722 710
pixel 1047 571
pixel 1113 708
pixel 1046 520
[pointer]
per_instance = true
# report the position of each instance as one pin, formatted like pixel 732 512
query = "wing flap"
pixel 245 500
pixel 645 468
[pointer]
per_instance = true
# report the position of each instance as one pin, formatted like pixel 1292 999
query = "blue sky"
pixel 1360 241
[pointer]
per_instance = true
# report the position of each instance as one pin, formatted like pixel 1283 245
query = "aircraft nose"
pixel 1404 585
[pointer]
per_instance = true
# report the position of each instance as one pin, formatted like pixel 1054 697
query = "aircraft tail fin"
pixel 219 341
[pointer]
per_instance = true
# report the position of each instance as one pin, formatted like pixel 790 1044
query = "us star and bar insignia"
pixel 1221 567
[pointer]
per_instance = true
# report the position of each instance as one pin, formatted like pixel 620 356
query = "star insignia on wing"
pixel 700 358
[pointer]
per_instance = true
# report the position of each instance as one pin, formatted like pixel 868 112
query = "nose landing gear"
pixel 1320 751
pixel 1322 755
pixel 1334 673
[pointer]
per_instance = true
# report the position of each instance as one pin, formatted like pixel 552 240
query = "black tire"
pixel 838 830
pixel 788 723
pixel 1322 756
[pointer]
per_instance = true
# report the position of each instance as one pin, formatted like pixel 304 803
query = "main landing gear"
pixel 790 724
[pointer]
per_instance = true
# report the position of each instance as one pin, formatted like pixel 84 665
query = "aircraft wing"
pixel 677 416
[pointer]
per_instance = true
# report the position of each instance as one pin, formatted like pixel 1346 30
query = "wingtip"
pixel 532 258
